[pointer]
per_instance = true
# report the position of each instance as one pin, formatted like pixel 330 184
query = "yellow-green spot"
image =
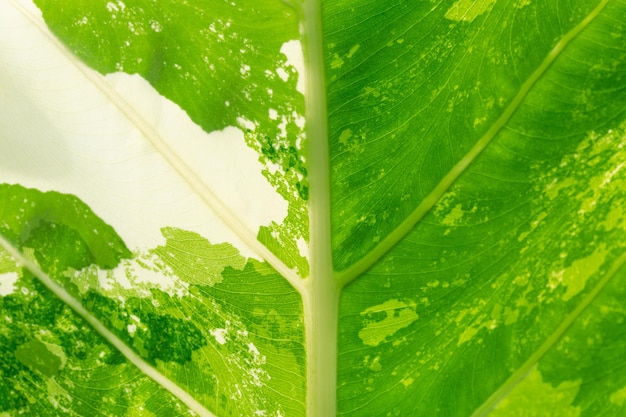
pixel 615 218
pixel 353 50
pixel 407 381
pixel 337 62
pixel 618 397
pixel 576 275
pixel 375 365
pixel 454 216
pixel 345 136
pixel 468 10
pixel 533 397
pixel 510 316
pixel 398 315
pixel 482 322
pixel 467 335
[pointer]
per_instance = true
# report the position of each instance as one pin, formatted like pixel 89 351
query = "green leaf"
pixel 313 208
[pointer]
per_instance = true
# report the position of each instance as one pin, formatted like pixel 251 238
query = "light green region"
pixel 618 397
pixel 56 393
pixel 482 322
pixel 194 259
pixel 397 315
pixel 7 263
pixel 533 397
pixel 337 62
pixel 353 50
pixel 345 136
pixel 455 215
pixel 575 276
pixel 615 218
pixel 553 189
pixel 468 10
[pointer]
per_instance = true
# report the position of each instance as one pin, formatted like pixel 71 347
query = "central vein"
pixel 321 295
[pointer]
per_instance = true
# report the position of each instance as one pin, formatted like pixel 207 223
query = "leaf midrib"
pixel 349 274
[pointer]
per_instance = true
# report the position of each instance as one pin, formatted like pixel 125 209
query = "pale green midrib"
pixel 524 369
pixel 321 296
pixel 102 330
pixel 347 275
pixel 178 165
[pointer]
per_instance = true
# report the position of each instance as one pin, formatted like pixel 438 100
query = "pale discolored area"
pixel 83 144
pixel 521 246
pixel 534 397
pixel 202 290
pixel 220 159
pixel 396 315
pixel 468 10
pixel 233 78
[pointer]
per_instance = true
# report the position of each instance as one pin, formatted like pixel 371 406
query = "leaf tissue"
pixel 292 208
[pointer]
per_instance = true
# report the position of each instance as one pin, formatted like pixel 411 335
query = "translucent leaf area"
pixel 317 208
pixel 227 65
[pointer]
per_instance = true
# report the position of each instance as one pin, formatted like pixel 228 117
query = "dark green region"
pixel 62 230
pixel 199 54
pixel 287 156
pixel 161 337
pixel 36 355
pixel 54 364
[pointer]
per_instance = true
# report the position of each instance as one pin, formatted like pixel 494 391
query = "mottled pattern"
pixel 202 315
pixel 480 293
pixel 477 154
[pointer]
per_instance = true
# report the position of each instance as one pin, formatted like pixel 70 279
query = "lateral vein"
pixel 176 162
pixel 101 329
pixel 349 274
pixel 523 370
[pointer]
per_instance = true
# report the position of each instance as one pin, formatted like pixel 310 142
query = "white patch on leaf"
pixel 295 58
pixel 221 158
pixel 219 335
pixel 63 132
pixel 7 283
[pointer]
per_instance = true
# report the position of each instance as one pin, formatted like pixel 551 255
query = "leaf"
pixel 425 219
